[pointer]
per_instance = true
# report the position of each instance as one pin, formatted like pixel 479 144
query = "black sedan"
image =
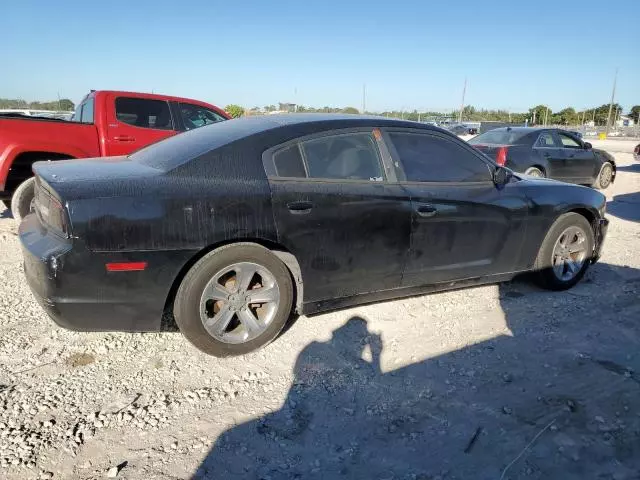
pixel 235 226
pixel 548 152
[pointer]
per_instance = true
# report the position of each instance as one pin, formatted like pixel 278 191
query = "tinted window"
pixel 568 142
pixel 498 137
pixel 350 156
pixel 87 111
pixel 195 116
pixel 427 158
pixel 288 162
pixel 545 140
pixel 145 113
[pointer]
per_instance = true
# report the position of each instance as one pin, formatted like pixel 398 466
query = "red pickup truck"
pixel 105 123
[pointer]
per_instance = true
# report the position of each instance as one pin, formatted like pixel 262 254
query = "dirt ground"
pixel 493 382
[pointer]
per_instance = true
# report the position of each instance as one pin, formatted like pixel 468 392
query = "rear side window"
pixel 545 140
pixel 288 162
pixel 428 158
pixel 195 116
pixel 352 156
pixel 87 111
pixel 144 113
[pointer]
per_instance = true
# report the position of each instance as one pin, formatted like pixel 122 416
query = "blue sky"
pixel 410 54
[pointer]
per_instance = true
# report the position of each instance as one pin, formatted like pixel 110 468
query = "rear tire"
pixel 534 172
pixel 605 177
pixel 552 271
pixel 196 300
pixel 22 199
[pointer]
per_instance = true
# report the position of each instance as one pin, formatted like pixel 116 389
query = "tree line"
pixel 538 115
pixel 64 104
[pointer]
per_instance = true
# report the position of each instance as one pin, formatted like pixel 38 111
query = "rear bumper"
pixel 74 288
pixel 600 230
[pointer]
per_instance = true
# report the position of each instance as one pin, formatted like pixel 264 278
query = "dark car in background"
pixel 636 153
pixel 548 152
pixel 236 225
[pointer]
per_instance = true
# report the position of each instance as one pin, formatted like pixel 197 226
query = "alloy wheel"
pixel 239 302
pixel 569 253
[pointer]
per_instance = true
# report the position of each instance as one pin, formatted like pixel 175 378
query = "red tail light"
pixel 50 211
pixel 501 156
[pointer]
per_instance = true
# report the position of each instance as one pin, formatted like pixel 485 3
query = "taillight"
pixel 50 211
pixel 501 156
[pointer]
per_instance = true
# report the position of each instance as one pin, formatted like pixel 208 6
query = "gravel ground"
pixel 493 382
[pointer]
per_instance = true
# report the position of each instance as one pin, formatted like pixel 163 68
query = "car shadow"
pixel 635 167
pixel 555 397
pixel 6 213
pixel 626 206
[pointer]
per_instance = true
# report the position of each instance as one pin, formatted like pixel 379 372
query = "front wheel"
pixel 606 176
pixel 566 252
pixel 234 300
pixel 534 172
pixel 23 199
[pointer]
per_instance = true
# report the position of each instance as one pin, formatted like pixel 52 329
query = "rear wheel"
pixel 534 172
pixel 234 300
pixel 22 200
pixel 565 253
pixel 605 177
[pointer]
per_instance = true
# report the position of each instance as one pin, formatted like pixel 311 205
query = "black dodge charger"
pixel 548 152
pixel 235 226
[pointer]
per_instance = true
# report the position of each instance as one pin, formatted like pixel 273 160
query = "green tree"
pixel 351 110
pixel 270 108
pixel 634 113
pixel 567 116
pixel 67 105
pixel 537 114
pixel 236 111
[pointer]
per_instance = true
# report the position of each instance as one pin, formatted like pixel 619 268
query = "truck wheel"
pixel 22 200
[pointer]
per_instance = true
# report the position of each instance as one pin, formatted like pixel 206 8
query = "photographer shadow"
pixel 555 395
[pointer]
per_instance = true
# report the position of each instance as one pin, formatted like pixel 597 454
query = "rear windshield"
pixel 179 149
pixel 498 137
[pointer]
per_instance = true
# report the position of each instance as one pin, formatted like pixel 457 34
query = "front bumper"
pixel 74 288
pixel 601 227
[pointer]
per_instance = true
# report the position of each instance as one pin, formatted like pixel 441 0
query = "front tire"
pixel 234 300
pixel 566 252
pixel 605 177
pixel 22 199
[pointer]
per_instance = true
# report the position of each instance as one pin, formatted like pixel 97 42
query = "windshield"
pixel 499 137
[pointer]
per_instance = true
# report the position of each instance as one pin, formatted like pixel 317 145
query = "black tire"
pixel 545 275
pixel 535 172
pixel 605 177
pixel 187 300
pixel 21 200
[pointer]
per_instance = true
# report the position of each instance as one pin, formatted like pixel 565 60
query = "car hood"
pixel 93 177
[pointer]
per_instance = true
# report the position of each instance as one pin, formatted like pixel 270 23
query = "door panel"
pixel 580 163
pixel 469 230
pixel 136 122
pixel 547 149
pixel 349 237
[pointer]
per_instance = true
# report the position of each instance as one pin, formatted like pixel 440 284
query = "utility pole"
pixel 464 91
pixel 418 117
pixel 534 117
pixel 364 98
pixel 546 115
pixel 613 94
pixel 584 112
pixel 59 109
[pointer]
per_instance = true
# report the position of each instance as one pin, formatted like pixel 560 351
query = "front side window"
pixel 429 158
pixel 568 142
pixel 144 113
pixel 195 116
pixel 352 156
pixel 87 111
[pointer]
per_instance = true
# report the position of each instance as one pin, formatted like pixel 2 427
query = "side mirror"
pixel 501 176
pixel 587 146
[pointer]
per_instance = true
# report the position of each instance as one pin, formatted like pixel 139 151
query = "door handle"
pixel 124 138
pixel 547 155
pixel 572 155
pixel 426 210
pixel 300 208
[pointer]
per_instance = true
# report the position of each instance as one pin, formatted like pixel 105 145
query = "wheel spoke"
pixel 263 295
pixel 558 266
pixel 577 246
pixel 248 319
pixel 244 275
pixel 216 291
pixel 217 324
